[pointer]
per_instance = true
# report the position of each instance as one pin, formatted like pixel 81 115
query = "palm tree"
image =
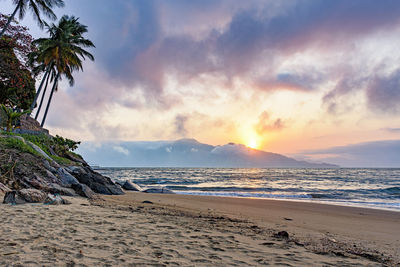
pixel 63 51
pixel 37 7
pixel 11 115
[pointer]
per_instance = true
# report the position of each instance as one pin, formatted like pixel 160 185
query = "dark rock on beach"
pixel 97 182
pixel 55 200
pixel 131 186
pixel 83 190
pixel 158 191
pixel 24 196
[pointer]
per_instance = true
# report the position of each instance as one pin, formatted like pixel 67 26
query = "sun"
pixel 252 144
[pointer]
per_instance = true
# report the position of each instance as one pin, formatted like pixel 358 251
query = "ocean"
pixel 373 188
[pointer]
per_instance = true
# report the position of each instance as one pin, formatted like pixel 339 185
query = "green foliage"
pixel 63 161
pixel 17 87
pixel 68 144
pixel 15 143
pixel 11 116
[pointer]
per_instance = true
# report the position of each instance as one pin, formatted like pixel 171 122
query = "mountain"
pixel 186 153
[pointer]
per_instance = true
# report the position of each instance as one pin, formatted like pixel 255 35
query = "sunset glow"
pixel 199 73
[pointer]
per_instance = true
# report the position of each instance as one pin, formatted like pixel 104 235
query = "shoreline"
pixel 142 229
pixel 303 200
pixel 371 230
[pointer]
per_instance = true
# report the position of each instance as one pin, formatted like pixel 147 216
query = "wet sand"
pixel 179 230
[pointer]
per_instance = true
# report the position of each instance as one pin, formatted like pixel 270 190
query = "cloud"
pixel 265 124
pixel 302 46
pixel 121 150
pixel 248 35
pixel 385 153
pixel 384 92
pixel 180 121
pixel 392 130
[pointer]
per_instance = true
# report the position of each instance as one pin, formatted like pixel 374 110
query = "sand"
pixel 178 230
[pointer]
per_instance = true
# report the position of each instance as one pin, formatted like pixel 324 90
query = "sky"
pixel 314 79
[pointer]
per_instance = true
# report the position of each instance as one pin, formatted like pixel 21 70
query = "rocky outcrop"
pixel 97 182
pixel 23 170
pixel 131 186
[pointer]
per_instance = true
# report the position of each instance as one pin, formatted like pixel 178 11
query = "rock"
pixel 161 190
pixel 36 181
pixel 58 189
pixel 39 150
pixel 147 202
pixel 4 188
pixel 76 169
pixel 97 182
pixel 24 196
pixel 83 190
pixel 66 178
pixel 55 200
pixel 32 195
pixel 131 186
pixel 51 176
pixel 282 234
pixel 12 197
pixel 47 165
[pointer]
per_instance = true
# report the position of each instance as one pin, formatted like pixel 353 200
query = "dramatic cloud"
pixel 384 92
pixel 266 125
pixel 208 69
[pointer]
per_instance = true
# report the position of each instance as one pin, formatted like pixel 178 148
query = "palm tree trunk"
pixel 49 101
pixel 9 21
pixel 46 74
pixel 41 100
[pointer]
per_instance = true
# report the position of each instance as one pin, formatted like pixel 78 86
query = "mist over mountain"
pixel 185 153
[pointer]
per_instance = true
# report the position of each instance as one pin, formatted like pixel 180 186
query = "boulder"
pixel 97 182
pixel 47 165
pixel 32 195
pixel 83 190
pixel 51 177
pixel 58 189
pixel 55 200
pixel 36 181
pixel 12 197
pixel 161 190
pixel 24 196
pixel 39 150
pixel 66 178
pixel 131 186
pixel 4 188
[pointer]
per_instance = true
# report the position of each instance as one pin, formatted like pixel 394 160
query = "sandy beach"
pixel 180 230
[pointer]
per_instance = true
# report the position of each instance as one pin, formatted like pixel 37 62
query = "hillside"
pixel 187 153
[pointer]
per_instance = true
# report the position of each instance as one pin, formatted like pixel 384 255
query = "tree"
pixel 37 7
pixel 17 87
pixel 21 38
pixel 63 50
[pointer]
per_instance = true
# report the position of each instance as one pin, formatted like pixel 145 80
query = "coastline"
pixel 170 229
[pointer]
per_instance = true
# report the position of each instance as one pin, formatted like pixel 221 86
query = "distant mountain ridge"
pixel 187 153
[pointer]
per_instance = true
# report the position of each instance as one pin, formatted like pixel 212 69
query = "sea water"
pixel 374 188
